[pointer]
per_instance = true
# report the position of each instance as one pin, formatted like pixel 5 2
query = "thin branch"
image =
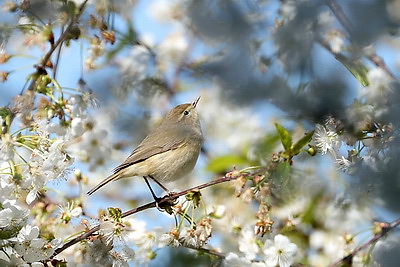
pixel 174 196
pixel 76 240
pixel 379 62
pixel 339 13
pixel 59 42
pixel 58 56
pixel 211 252
pixel 386 227
pixel 164 200
pixel 326 45
pixel 341 16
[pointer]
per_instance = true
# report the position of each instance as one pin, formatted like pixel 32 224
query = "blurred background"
pixel 328 66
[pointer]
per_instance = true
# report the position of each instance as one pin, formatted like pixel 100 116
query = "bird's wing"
pixel 145 151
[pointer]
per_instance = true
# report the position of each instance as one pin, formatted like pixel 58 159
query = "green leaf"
pixel 302 142
pixel 283 172
pixel 286 138
pixel 281 184
pixel 356 68
pixel 223 163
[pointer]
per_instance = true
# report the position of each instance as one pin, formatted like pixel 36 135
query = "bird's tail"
pixel 110 178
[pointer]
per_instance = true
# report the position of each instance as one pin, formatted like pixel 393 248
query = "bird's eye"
pixel 186 113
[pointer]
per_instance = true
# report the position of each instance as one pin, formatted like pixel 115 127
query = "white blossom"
pixel 248 243
pixel 6 147
pixel 325 20
pixel 333 36
pixel 33 248
pixel 46 166
pixel 28 233
pixel 121 259
pixel 344 164
pixel 280 252
pixel 24 20
pixel 37 264
pixel 326 141
pixel 136 64
pixel 94 146
pixel 331 246
pixel 9 257
pixel 173 48
pixel 360 115
pixel 127 253
pixel 98 253
pixel 341 215
pixel 80 2
pixel 32 195
pixel 12 214
pixel 217 211
pixel 110 231
pixel 56 129
pixel 336 40
pixel 233 260
pixel 289 9
pixel 70 210
pixel 7 187
pixel 77 127
pixel 166 10
pixel 203 230
pixel 171 238
pixel 77 106
pixel 190 239
pixel 379 88
pixel 222 128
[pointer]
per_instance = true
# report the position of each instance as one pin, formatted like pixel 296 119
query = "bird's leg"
pixel 157 199
pixel 161 185
pixel 167 205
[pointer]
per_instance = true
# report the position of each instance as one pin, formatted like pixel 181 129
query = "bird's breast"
pixel 174 164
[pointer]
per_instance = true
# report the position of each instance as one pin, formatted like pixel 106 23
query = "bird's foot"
pixel 166 203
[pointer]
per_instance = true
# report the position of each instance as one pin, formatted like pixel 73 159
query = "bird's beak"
pixel 194 104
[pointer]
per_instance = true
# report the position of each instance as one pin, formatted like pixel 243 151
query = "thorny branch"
pixel 233 175
pixel 386 227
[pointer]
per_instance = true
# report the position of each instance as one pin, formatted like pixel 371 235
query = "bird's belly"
pixel 172 165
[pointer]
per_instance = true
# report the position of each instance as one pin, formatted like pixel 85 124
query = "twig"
pixel 166 199
pixel 339 13
pixel 53 47
pixel 76 240
pixel 341 16
pixel 55 67
pixel 378 61
pixel 211 252
pixel 385 229
pixel 326 45
pixel 174 196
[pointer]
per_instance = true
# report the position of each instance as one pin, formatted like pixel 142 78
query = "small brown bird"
pixel 168 153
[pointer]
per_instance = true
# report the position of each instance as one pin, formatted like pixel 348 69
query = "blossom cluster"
pixel 333 137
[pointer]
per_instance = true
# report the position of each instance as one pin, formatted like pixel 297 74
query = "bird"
pixel 168 153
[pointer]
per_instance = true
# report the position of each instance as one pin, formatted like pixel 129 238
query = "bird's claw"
pixel 167 204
